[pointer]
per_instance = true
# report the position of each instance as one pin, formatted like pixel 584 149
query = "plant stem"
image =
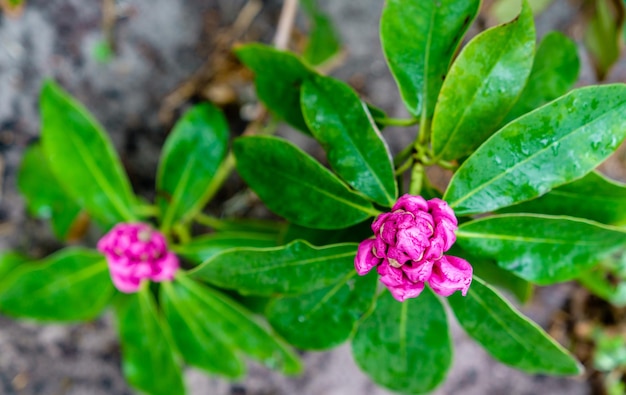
pixel 417 179
pixel 397 121
pixel 147 210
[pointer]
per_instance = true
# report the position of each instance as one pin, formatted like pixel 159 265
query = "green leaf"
pixel 592 197
pixel 325 317
pixel 489 270
pixel 292 269
pixel 323 42
pixel 341 123
pixel 201 248
pixel 505 10
pixel 482 86
pixel 555 70
pixel 191 156
pixel 83 159
pixel 70 285
pixel 353 234
pixel 267 162
pixel 540 248
pixel 405 346
pixel 551 146
pixel 45 198
pixel 199 332
pixel 419 39
pixel 207 321
pixel 9 260
pixel 507 335
pixel 148 359
pixel 278 76
pixel 602 37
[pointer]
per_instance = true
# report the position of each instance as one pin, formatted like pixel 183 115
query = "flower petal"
pixel 450 274
pixel 410 203
pixel 365 259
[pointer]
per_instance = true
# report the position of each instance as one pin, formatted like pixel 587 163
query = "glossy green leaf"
pixel 71 285
pixel 540 248
pixel 602 37
pixel 199 333
pixel 488 270
pixel 292 269
pixel 592 197
pixel 148 355
pixel 278 76
pixel 482 86
pixel 419 39
pixel 9 260
pixel 551 146
pixel 505 10
pixel 201 248
pixel 291 184
pixel 405 346
pixel 355 149
pixel 191 156
pixel 45 198
pixel 507 335
pixel 555 70
pixel 212 319
pixel 83 159
pixel 325 317
pixel 323 42
pixel 319 237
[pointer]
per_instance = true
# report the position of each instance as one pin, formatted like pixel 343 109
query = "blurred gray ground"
pixel 160 43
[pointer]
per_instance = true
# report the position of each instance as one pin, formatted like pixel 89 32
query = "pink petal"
pixel 413 242
pixel 410 203
pixel 365 259
pixel 450 274
pixel 418 271
pixel 382 218
pixel 440 209
pixel 406 291
pixel 165 268
pixel 126 284
pixel 391 276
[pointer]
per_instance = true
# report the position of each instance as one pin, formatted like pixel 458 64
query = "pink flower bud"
pixel 134 252
pixel 408 247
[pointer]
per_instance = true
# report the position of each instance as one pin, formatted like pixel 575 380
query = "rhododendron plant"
pixel 520 149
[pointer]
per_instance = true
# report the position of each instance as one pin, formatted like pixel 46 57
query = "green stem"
pixel 417 179
pixel 397 121
pixel 403 155
pixel 182 232
pixel 147 210
pixel 405 166
pixel 424 132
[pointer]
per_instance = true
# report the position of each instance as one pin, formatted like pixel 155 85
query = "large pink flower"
pixel 134 252
pixel 408 249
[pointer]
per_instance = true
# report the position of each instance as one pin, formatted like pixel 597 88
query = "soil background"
pixel 159 45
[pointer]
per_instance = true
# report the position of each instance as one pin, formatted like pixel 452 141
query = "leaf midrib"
pixel 530 157
pixel 522 239
pixel 72 278
pixel 356 148
pixel 100 178
pixel 323 192
pixel 290 263
pixel 472 100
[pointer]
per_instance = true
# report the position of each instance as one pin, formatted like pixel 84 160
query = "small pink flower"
pixel 408 246
pixel 134 252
